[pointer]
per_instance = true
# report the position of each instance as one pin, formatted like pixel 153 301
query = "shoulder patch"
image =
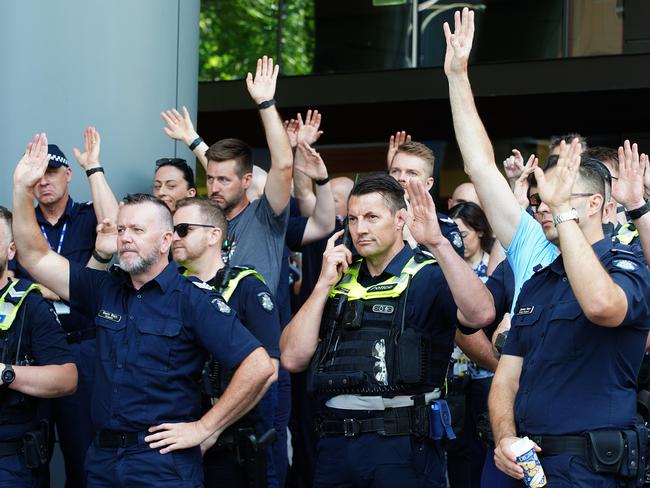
pixel 445 219
pixel 221 305
pixel 618 250
pixel 264 297
pixel 626 264
pixel 201 284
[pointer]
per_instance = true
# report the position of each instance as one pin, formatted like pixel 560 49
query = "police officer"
pixel 69 228
pixel 155 330
pixel 377 333
pixel 199 229
pixel 567 376
pixel 35 362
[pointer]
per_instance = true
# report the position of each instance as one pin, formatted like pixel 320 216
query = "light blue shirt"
pixel 529 252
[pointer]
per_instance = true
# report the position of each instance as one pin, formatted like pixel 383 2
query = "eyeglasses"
pixel 184 228
pixel 170 161
pixel 535 201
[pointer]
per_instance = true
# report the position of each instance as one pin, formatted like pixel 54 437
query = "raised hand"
pixel 311 163
pixel 90 157
pixel 291 126
pixel 555 190
pixel 106 240
pixel 179 127
pixel 421 218
pixel 521 184
pixel 459 44
pixel 335 261
pixel 33 164
pixel 628 189
pixel 395 141
pixel 514 165
pixel 308 131
pixel 262 87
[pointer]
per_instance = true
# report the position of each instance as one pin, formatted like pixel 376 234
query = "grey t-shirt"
pixel 256 238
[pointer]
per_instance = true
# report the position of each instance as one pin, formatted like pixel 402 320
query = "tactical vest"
pixel 214 379
pixel 627 233
pixel 366 345
pixel 15 407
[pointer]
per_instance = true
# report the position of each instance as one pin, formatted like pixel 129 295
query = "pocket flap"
pixel 159 327
pixel 110 324
pixel 526 316
pixel 606 448
pixel 566 311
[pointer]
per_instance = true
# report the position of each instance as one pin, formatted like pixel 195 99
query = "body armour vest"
pixel 367 346
pixel 215 380
pixel 15 407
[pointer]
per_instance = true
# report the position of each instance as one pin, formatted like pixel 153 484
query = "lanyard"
pixel 58 248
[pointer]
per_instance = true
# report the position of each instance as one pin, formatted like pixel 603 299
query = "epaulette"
pixel 618 250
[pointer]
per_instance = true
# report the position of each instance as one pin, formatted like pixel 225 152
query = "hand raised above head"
pixel 459 43
pixel 33 165
pixel 262 87
pixel 90 157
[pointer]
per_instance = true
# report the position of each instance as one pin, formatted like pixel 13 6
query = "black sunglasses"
pixel 184 228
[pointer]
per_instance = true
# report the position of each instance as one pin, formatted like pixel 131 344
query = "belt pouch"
pixel 605 449
pixel 34 449
pixel 440 421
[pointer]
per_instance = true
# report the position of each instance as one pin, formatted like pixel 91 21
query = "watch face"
pixel 8 376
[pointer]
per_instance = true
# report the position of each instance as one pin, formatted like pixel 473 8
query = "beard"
pixel 140 265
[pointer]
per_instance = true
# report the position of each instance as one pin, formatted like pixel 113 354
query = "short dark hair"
pixel 567 138
pixel 182 166
pixel 593 173
pixel 210 212
pixel 227 149
pixel 473 216
pixel 386 186
pixel 421 151
pixel 163 209
pixel 7 218
pixel 603 154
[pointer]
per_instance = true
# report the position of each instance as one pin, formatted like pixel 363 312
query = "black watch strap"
pixel 266 104
pixel 322 182
pixel 92 171
pixel 195 143
pixel 101 259
pixel 637 213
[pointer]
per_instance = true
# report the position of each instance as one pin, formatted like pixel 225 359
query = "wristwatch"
pixel 566 216
pixel 8 375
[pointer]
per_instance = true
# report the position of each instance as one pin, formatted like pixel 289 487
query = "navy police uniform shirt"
pixel 578 376
pixel 152 344
pixel 256 309
pixel 43 342
pixel 73 237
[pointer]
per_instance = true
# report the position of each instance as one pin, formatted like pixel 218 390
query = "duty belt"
pixel 8 448
pixel 113 439
pixel 390 422
pixel 76 336
pixel 553 445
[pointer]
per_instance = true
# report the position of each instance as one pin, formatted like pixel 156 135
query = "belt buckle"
pixel 351 427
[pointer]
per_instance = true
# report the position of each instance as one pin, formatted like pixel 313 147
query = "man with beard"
pixel 155 330
pixel 199 229
pixel 35 363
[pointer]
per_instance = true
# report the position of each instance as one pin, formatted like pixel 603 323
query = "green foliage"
pixel 234 33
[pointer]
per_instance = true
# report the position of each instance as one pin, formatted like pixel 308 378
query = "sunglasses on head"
pixel 171 161
pixel 183 229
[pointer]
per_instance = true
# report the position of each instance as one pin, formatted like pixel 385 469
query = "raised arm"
pixel 181 128
pixel 307 132
pixel 628 190
pixel 299 338
pixel 34 254
pixel 104 201
pixel 395 141
pixel 473 299
pixel 322 220
pixel 262 89
pixel 499 203
pixel 600 298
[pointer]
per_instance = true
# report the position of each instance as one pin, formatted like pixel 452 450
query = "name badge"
pixel 526 310
pixel 113 317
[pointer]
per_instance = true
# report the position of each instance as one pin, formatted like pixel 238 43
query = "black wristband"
pixel 322 182
pixel 92 171
pixel 195 143
pixel 637 213
pixel 102 260
pixel 266 104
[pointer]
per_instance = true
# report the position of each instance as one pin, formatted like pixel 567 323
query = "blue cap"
pixel 57 158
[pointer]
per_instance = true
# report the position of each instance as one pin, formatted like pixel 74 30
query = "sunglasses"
pixel 183 229
pixel 535 201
